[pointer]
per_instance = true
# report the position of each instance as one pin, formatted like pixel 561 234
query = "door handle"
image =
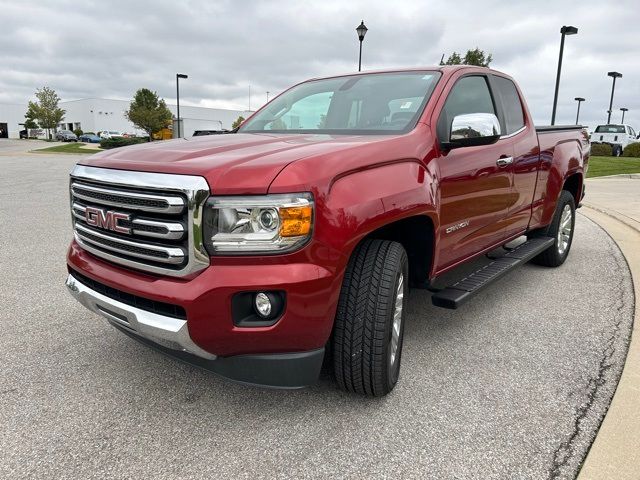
pixel 504 161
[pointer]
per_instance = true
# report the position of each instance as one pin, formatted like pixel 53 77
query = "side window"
pixel 469 95
pixel 511 104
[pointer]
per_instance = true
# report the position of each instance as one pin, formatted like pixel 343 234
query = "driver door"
pixel 475 182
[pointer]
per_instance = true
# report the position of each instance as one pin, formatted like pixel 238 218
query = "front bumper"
pixel 171 336
pixel 312 293
pixel 170 332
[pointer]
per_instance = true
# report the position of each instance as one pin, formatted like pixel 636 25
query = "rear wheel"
pixel 369 327
pixel 561 228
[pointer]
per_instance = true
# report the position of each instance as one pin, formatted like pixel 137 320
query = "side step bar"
pixel 458 293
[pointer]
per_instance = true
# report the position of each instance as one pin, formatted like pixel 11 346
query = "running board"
pixel 458 293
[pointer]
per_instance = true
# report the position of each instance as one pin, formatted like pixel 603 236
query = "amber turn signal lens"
pixel 296 221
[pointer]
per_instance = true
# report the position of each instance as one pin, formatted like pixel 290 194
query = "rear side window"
pixel 610 129
pixel 511 104
pixel 469 95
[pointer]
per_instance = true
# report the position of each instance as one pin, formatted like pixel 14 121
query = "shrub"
pixel 108 143
pixel 601 150
pixel 632 150
pixel 78 132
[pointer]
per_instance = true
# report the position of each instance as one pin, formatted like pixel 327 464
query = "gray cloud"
pixel 93 49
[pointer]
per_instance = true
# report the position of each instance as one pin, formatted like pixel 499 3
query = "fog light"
pixel 262 303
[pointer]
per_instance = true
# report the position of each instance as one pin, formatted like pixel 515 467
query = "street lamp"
pixel 624 110
pixel 362 31
pixel 579 100
pixel 565 30
pixel 613 75
pixel 178 77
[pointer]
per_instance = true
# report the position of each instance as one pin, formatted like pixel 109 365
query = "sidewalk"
pixel 614 203
pixel 618 196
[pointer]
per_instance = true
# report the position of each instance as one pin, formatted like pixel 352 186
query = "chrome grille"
pixel 137 201
pixel 159 218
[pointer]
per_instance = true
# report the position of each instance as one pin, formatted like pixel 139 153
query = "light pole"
pixel 267 96
pixel 613 75
pixel 624 110
pixel 579 100
pixel 362 31
pixel 565 30
pixel 178 77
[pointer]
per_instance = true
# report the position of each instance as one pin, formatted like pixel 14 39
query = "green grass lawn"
pixel 75 147
pixel 600 166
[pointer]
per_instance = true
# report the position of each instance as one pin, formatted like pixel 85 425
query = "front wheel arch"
pixel 416 235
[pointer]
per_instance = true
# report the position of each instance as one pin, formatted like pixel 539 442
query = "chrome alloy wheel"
pixel 397 321
pixel 564 229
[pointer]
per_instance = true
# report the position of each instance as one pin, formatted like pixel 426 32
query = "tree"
pixel 477 57
pixel 454 59
pixel 472 57
pixel 45 109
pixel 237 123
pixel 30 123
pixel 148 112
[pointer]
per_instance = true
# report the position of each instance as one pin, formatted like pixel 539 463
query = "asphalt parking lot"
pixel 512 385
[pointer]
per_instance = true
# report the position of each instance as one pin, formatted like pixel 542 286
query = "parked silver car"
pixel 66 136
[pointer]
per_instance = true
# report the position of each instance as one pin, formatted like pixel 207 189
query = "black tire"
pixel 555 255
pixel 617 151
pixel 363 331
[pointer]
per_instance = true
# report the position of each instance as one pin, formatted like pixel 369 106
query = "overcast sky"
pixel 112 48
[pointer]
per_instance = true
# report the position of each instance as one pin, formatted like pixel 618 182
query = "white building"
pixel 97 114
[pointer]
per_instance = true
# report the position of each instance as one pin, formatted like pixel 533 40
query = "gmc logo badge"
pixel 96 217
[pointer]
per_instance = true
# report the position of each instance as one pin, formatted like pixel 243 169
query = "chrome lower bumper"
pixel 166 331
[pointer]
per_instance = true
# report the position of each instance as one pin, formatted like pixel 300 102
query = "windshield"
pixel 373 103
pixel 610 129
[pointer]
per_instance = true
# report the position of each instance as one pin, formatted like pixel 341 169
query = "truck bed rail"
pixel 557 128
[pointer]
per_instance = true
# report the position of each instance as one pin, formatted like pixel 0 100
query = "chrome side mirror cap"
pixel 473 129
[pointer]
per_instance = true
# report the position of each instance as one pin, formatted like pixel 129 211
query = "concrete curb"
pixel 635 176
pixel 620 217
pixel 615 452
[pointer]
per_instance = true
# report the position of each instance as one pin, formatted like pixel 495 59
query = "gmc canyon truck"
pixel 256 253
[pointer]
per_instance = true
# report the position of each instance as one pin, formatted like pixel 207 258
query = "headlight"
pixel 257 224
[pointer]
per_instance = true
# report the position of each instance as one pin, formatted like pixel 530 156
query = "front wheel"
pixel 369 327
pixel 561 228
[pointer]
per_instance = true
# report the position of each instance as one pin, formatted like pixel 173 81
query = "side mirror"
pixel 474 129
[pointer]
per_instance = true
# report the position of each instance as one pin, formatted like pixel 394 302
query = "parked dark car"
pixel 89 138
pixel 199 133
pixel 66 136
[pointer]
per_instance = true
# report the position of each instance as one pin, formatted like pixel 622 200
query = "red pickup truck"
pixel 258 253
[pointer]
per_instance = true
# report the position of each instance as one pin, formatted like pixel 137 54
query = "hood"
pixel 231 163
